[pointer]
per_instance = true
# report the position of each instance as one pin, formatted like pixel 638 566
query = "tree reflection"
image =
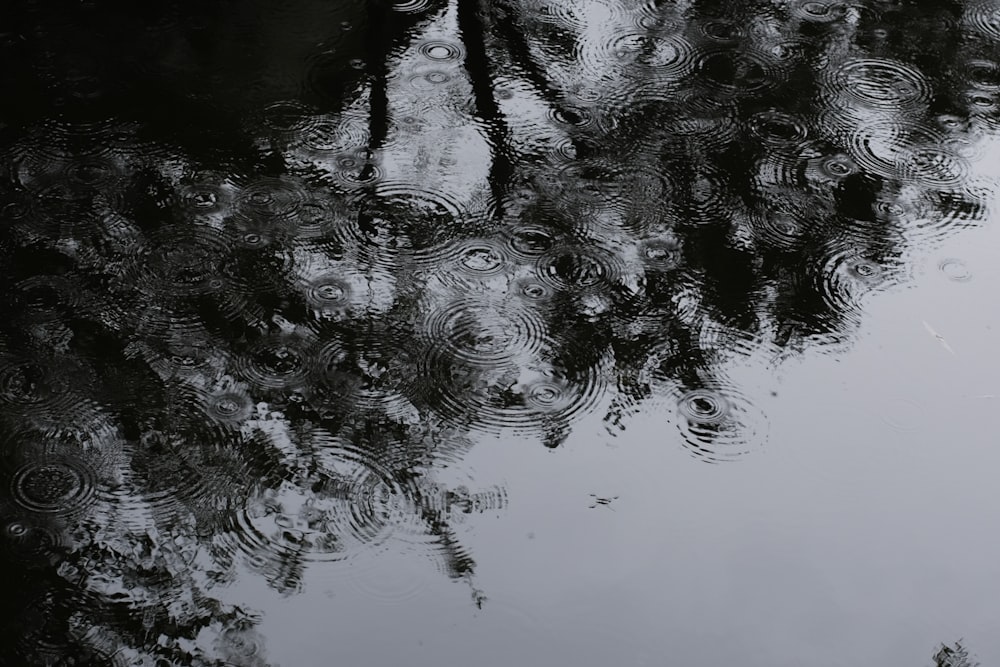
pixel 953 656
pixel 269 276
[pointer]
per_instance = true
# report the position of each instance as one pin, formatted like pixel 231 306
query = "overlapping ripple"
pixel 527 242
pixel 532 398
pixel 850 276
pixel 481 333
pixel 277 362
pixel 346 503
pixel 984 17
pixel 182 262
pixel 37 387
pixel 738 72
pixel 272 199
pixel 824 11
pixel 288 120
pixel 369 373
pixel 54 485
pixel 469 263
pixel 880 83
pixel 571 267
pixel 329 134
pixel 883 146
pixel 778 128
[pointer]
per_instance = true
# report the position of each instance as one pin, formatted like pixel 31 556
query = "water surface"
pixel 490 332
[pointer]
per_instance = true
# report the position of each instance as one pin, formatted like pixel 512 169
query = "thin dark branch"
pixel 473 32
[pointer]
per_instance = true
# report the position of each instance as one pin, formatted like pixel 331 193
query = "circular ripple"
pixel 195 467
pixel 660 254
pixel 370 373
pixel 182 261
pixel 410 6
pixel 597 184
pixel 505 396
pixel 28 543
pixel 336 135
pixel 902 414
pixel 569 115
pixel 485 334
pixel 564 150
pixel 62 486
pixel 737 72
pixel 92 172
pixel 329 292
pixel 345 503
pixel 47 293
pixel 356 169
pixel 848 278
pixel 723 31
pixel 557 12
pixel 704 406
pixel 529 241
pixel 576 267
pixel 228 407
pixel 880 83
pixel 318 219
pixel 983 105
pixel 34 387
pixel 171 352
pixel 469 259
pixel 276 362
pixel 776 127
pixel 719 424
pixel 819 12
pixel 413 199
pixel 695 116
pixel 271 199
pixel 955 269
pixel 584 93
pixel 982 74
pixel 480 258
pixel 71 178
pixel 240 646
pixel 428 79
pixel 708 197
pixel 836 167
pixel 441 51
pixel 882 146
pixel 779 230
pixel 668 59
pixel 984 16
pixel 206 197
pixel 288 119
pixel 532 291
pixel 626 48
pixel 934 165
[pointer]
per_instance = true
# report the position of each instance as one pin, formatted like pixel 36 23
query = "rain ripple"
pixel 880 83
pixel 532 398
pixel 345 504
pixel 483 334
pixel 719 424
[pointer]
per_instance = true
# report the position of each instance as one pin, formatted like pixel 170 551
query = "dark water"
pixel 499 333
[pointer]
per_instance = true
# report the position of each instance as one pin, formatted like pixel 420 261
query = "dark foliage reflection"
pixel 270 270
